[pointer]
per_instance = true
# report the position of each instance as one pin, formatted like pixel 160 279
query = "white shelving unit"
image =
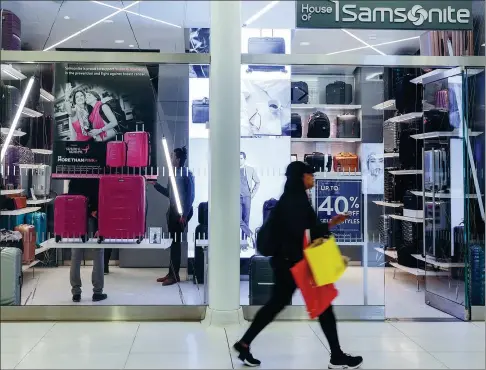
pixel 418 272
pixel 326 106
pixel 17 133
pixel 391 254
pixel 42 151
pixel 409 219
pixel 32 264
pixel 31 113
pixel 34 202
pixel 325 140
pixel 439 134
pixel 419 79
pixel 405 117
pixel 442 265
pixel 429 194
pixel 406 172
pixel 11 192
pixel 93 243
pixel 388 204
pixel 391 155
pixel 387 105
pixel 18 212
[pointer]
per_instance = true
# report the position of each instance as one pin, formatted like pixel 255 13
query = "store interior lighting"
pixel 15 121
pixel 172 175
pixel 10 71
pixel 362 41
pixel 261 12
pixel 138 14
pixel 380 44
pixel 90 26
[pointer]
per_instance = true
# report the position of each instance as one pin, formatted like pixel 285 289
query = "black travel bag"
pixel 339 92
pixel 411 201
pixel 409 149
pixel 261 280
pixel 295 125
pixel 299 92
pixel 319 126
pixel 347 126
pixel 319 161
pixel 437 120
pixel 203 214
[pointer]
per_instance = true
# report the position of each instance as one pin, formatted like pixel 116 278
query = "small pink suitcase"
pixel 116 154
pixel 70 217
pixel 121 207
pixel 137 148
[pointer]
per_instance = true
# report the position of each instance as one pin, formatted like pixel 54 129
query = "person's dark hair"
pixel 295 173
pixel 243 154
pixel 181 155
pixel 95 94
pixel 73 95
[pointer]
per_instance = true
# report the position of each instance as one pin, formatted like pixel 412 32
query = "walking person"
pixel 293 216
pixel 177 222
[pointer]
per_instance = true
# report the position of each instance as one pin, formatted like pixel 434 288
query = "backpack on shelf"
pixel 319 126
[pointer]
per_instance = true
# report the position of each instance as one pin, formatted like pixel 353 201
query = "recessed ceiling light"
pixel 304 43
pixel 261 12
pixel 131 46
pixel 119 41
pixel 67 17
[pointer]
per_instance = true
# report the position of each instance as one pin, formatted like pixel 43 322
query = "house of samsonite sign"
pixel 381 14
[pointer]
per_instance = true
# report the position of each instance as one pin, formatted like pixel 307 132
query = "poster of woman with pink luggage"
pixel 105 118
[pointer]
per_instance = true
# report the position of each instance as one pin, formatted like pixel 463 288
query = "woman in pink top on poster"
pixel 101 117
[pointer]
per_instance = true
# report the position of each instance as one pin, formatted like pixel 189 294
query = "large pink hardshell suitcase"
pixel 138 150
pixel 116 154
pixel 121 207
pixel 70 217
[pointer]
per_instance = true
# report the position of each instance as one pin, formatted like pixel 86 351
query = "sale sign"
pixel 336 197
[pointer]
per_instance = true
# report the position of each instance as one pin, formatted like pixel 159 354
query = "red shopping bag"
pixel 317 299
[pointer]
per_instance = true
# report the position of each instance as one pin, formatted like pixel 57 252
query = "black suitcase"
pixel 295 125
pixel 347 126
pixel 201 233
pixel 339 92
pixel 319 126
pixel 203 214
pixel 411 201
pixel 437 120
pixel 408 96
pixel 299 92
pixel 319 162
pixel 261 280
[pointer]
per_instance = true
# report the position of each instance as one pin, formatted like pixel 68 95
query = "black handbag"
pixel 339 92
pixel 200 111
pixel 319 162
pixel 299 92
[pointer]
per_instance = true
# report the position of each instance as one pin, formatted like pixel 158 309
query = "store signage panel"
pixel 335 197
pixel 380 14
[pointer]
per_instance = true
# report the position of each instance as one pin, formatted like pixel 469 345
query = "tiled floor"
pixel 182 345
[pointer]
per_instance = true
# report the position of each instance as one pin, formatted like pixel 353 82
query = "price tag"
pixel 335 197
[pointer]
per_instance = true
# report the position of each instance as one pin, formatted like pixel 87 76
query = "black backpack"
pixel 319 126
pixel 267 241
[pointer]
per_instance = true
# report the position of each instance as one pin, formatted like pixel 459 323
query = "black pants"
pixel 176 231
pixel 284 288
pixel 107 258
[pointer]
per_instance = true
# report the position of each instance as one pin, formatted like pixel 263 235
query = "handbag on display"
pixel 346 162
pixel 319 162
pixel 437 120
pixel 299 92
pixel 339 92
pixel 200 110
pixel 319 126
pixel 295 125
pixel 347 126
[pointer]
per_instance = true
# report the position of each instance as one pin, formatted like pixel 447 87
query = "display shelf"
pixel 11 192
pixel 405 117
pixel 391 155
pixel 31 113
pixel 442 265
pixel 419 80
pixel 32 264
pixel 430 194
pixel 30 166
pixel 391 254
pixel 388 204
pixel 406 172
pixel 418 272
pixel 18 212
pixel 108 243
pixel 325 140
pixel 17 133
pixel 439 134
pixel 409 219
pixel 9 73
pixel 337 175
pixel 326 106
pixel 34 202
pixel 47 95
pixel 388 105
pixel 42 151
pixel 42 249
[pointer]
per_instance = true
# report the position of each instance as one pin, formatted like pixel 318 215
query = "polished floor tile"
pixel 401 360
pixel 461 360
pixel 41 360
pixel 193 360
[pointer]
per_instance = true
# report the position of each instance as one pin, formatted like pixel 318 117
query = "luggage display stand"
pixel 67 243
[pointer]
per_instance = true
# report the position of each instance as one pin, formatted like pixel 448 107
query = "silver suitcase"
pixel 41 180
pixel 25 180
pixel 11 276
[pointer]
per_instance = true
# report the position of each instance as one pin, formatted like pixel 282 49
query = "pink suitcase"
pixel 137 148
pixel 70 217
pixel 116 154
pixel 121 208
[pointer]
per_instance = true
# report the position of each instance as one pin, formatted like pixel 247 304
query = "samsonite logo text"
pixel 415 14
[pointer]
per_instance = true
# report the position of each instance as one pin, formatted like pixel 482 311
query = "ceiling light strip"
pixel 380 44
pixel 172 175
pixel 362 41
pixel 16 119
pixel 91 26
pixel 138 14
pixel 261 12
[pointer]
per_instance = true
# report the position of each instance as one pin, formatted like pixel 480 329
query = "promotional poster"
pixel 334 197
pixel 104 121
pixel 262 176
pixel 372 167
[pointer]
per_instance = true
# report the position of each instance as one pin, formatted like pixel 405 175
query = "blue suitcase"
pixel 39 220
pixel 9 222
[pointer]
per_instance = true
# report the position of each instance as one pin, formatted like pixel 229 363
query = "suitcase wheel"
pixel 139 240
pixel 58 238
pixel 100 240
pixel 84 239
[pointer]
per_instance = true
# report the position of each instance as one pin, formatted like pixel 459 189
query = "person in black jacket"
pixel 293 216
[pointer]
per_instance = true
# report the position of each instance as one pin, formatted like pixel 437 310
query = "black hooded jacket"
pixel 293 216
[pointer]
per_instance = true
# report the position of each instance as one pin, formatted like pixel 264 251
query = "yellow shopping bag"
pixel 325 261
